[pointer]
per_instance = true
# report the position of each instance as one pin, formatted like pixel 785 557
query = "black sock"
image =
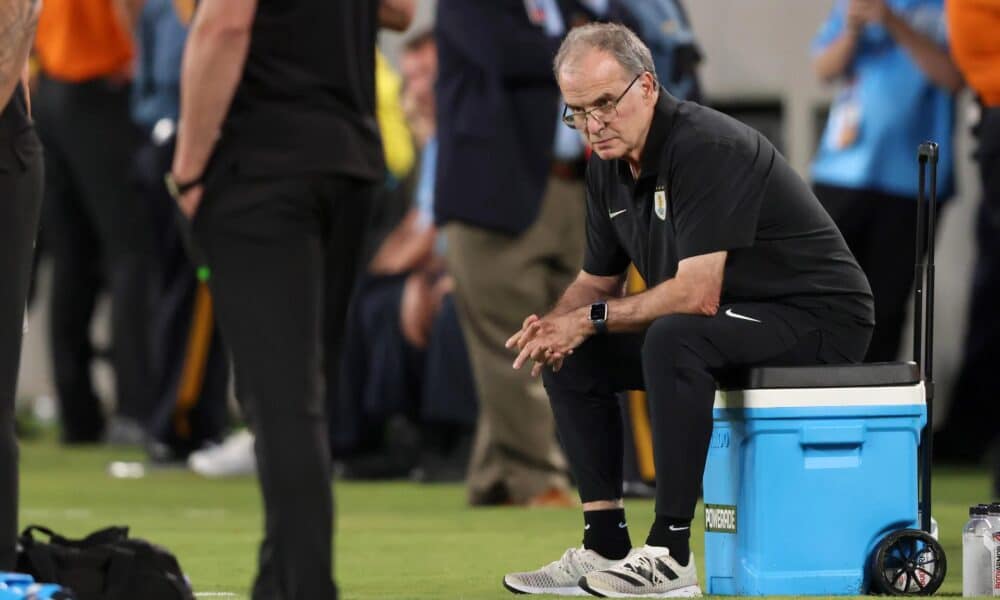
pixel 606 533
pixel 672 533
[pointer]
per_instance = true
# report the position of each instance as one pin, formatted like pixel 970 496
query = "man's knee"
pixel 673 340
pixel 584 371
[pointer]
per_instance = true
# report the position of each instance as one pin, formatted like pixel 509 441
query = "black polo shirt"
pixel 306 101
pixel 710 183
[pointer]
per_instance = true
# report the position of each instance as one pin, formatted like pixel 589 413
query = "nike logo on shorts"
pixel 672 528
pixel 730 313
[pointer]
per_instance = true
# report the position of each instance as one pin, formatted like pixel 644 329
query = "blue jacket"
pixel 497 107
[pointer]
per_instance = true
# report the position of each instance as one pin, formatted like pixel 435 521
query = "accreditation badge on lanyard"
pixel 536 12
pixel 845 118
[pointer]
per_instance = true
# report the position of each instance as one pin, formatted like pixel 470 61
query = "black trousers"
pixel 880 230
pixel 189 365
pixel 674 361
pixel 383 375
pixel 283 254
pixel 21 176
pixel 98 235
pixel 973 418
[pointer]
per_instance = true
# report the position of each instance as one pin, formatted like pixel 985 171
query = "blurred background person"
pixel 189 368
pixel 20 200
pixel 973 417
pixel 349 432
pixel 96 232
pixel 407 384
pixel 897 82
pixel 513 217
pixel 281 226
pixel 664 26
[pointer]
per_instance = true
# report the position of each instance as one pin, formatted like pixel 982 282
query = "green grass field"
pixel 395 540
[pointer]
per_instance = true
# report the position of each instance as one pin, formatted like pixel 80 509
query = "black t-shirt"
pixel 306 102
pixel 709 183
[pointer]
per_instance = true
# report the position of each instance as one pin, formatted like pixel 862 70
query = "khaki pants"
pixel 500 280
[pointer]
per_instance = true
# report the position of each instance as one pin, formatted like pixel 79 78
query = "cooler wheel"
pixel 908 562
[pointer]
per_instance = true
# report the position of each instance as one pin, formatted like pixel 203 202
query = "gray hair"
pixel 617 40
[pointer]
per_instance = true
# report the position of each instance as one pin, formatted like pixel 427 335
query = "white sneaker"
pixel 232 458
pixel 560 577
pixel 647 572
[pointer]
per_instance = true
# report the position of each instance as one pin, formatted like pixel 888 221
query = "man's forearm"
pixel 212 67
pixel 932 59
pixel 636 312
pixel 18 19
pixel 833 61
pixel 580 293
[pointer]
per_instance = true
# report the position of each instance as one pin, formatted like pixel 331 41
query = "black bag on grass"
pixel 105 565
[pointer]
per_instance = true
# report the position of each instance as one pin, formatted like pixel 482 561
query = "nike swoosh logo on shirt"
pixel 730 313
pixel 622 525
pixel 586 527
pixel 672 528
pixel 612 215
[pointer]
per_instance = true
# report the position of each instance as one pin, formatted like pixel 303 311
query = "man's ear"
pixel 649 86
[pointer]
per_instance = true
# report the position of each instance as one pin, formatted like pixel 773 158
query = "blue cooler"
pixel 808 469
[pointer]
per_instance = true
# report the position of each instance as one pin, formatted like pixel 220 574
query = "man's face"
pixel 418 68
pixel 593 78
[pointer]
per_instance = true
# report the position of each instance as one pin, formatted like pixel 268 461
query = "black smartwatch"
pixel 176 188
pixel 599 316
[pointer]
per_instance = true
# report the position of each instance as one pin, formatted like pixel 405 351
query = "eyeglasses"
pixel 604 113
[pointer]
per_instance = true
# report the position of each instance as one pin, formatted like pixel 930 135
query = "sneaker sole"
pixel 560 591
pixel 690 591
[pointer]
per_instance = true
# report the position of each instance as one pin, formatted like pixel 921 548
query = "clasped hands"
pixel 549 340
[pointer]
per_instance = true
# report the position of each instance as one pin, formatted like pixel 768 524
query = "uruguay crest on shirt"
pixel 660 203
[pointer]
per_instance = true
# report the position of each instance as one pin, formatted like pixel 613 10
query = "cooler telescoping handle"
pixel 923 322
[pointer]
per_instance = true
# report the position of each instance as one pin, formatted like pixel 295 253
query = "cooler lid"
pixel 820 376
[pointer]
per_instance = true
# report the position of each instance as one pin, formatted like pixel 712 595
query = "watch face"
pixel 598 312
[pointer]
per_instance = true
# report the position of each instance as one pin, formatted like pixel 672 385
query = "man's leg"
pixel 21 190
pixel 124 227
pixel 72 244
pixel 588 417
pixel 264 240
pixel 586 412
pixel 500 280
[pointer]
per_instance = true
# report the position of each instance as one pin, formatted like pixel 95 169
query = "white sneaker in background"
pixel 560 577
pixel 647 572
pixel 232 458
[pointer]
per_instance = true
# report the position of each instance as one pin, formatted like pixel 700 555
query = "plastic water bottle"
pixel 977 553
pixel 993 514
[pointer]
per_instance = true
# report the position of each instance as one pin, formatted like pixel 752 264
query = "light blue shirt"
pixel 568 145
pixel 424 195
pixel 886 107
pixel 156 90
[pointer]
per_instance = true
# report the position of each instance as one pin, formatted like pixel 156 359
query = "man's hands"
pixel 190 201
pixel 549 340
